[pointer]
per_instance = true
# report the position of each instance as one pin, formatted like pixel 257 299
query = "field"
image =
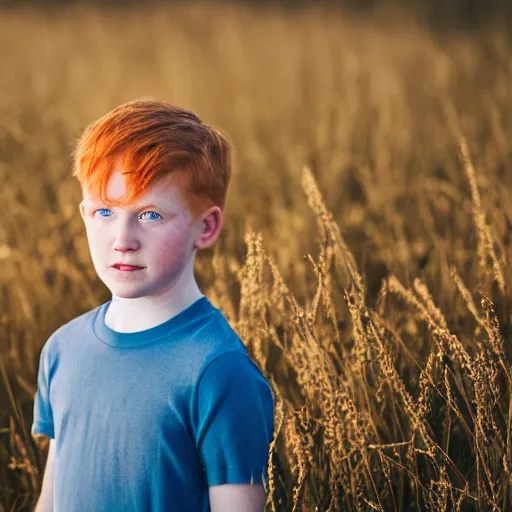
pixel 366 255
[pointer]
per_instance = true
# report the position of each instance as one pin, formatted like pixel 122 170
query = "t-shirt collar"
pixel 177 326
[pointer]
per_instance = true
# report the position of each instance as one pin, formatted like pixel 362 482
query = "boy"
pixel 151 400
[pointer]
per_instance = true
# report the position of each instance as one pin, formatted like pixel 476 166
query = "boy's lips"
pixel 125 267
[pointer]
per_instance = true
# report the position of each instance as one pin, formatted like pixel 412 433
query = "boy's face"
pixel 157 234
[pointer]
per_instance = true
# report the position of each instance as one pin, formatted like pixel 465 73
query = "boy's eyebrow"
pixel 141 207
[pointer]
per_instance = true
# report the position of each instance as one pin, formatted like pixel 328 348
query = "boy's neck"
pixel 142 313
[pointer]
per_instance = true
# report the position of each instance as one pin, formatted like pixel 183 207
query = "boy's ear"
pixel 211 224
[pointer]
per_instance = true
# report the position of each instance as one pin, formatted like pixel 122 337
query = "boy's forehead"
pixel 164 190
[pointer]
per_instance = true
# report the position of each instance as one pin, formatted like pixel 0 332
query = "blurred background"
pixel 440 12
pixel 374 98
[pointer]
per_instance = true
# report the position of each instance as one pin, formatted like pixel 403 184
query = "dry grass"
pixel 366 256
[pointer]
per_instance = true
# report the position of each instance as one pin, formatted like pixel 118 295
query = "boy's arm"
pixel 45 502
pixel 234 411
pixel 237 498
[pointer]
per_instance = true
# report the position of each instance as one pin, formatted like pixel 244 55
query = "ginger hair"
pixel 151 140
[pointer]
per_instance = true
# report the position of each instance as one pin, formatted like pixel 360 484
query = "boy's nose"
pixel 126 240
pixel 123 246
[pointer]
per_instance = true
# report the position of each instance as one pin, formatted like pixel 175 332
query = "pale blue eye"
pixel 103 210
pixel 152 218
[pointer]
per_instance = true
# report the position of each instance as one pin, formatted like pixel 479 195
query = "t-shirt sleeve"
pixel 43 416
pixel 235 411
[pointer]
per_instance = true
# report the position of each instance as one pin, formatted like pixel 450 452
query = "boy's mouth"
pixel 126 268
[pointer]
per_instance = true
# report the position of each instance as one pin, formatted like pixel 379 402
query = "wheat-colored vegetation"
pixel 365 260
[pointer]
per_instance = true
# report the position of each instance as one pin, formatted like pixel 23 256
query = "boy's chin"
pixel 128 292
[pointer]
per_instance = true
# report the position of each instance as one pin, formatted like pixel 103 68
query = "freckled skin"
pixel 164 243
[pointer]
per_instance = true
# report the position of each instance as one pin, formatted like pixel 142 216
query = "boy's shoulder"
pixel 76 324
pixel 79 321
pixel 213 337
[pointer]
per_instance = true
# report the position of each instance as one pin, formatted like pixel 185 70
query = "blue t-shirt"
pixel 146 421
